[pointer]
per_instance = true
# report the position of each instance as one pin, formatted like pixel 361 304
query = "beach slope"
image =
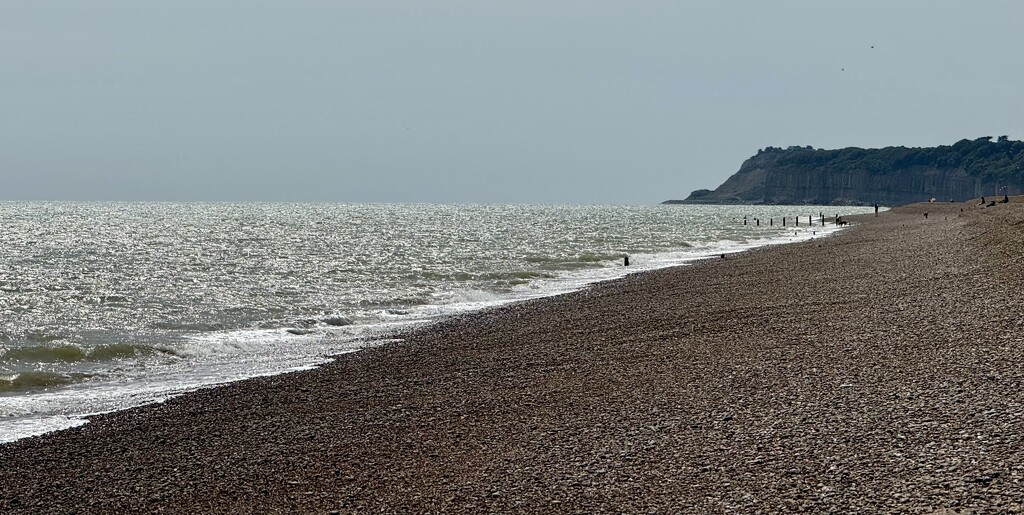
pixel 877 370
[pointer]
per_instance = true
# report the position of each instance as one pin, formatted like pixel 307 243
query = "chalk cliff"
pixel 889 176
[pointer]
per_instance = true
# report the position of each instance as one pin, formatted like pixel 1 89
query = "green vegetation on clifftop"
pixel 980 157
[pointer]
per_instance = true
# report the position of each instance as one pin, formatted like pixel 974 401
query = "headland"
pixel 890 176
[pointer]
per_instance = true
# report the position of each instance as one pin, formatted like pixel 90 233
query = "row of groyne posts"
pixel 838 220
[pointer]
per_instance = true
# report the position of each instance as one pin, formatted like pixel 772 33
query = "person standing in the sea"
pixel 876 209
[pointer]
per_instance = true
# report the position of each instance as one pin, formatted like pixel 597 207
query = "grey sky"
pixel 478 101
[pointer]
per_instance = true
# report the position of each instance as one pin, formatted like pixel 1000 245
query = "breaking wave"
pixel 25 381
pixel 73 353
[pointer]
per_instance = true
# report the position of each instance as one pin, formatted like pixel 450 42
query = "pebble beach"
pixel 878 370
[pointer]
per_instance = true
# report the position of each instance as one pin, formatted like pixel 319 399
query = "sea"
pixel 106 306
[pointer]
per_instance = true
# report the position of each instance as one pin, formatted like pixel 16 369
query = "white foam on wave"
pixel 230 343
pixel 194 362
pixel 19 428
pixel 469 297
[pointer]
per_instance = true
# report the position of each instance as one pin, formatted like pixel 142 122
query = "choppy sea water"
pixel 105 306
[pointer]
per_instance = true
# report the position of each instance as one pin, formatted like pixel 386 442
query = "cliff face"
pixel 891 176
pixel 891 189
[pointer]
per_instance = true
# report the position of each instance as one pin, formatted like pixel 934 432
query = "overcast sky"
pixel 479 101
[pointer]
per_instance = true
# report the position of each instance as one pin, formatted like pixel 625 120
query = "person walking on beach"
pixel 876 209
